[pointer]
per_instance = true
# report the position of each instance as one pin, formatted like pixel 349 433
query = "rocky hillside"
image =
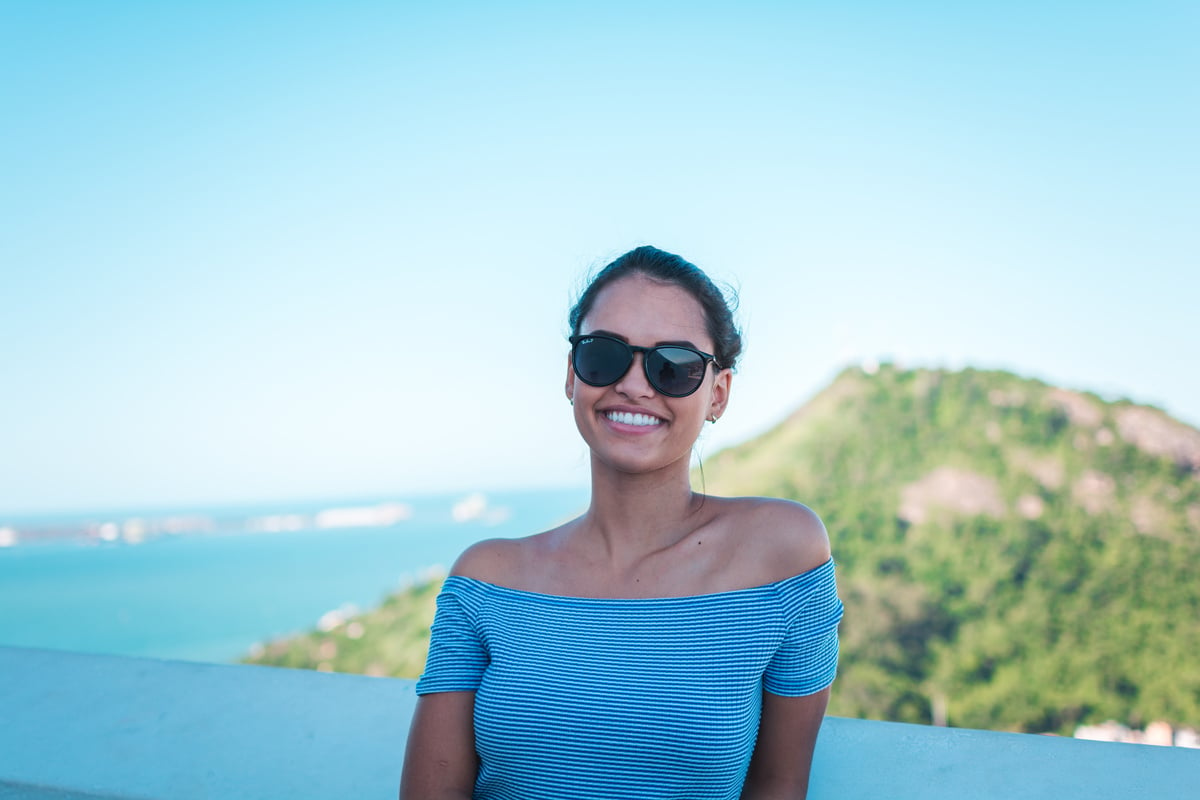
pixel 1012 555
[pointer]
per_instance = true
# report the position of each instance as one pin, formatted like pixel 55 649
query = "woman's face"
pixel 628 424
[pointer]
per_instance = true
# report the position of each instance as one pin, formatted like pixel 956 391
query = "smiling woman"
pixel 665 643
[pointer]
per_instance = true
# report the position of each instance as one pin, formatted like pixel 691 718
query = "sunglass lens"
pixel 675 371
pixel 601 362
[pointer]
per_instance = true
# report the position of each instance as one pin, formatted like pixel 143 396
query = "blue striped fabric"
pixel 627 698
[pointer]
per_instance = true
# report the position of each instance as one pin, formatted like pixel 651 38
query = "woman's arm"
pixel 440 761
pixel 783 755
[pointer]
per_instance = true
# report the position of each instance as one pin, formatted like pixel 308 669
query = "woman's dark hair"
pixel 664 267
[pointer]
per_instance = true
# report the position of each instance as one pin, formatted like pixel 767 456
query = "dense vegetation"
pixel 1011 555
pixel 391 640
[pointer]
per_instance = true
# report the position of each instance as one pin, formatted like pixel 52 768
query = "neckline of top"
pixel 820 568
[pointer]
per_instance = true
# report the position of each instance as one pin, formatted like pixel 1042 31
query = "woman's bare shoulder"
pixel 487 561
pixel 503 562
pixel 779 538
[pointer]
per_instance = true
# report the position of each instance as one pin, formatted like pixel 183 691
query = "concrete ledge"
pixel 106 726
pixel 85 727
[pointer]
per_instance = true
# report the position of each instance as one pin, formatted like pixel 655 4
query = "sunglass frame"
pixel 633 349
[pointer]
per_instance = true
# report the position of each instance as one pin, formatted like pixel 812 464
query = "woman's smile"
pixel 633 419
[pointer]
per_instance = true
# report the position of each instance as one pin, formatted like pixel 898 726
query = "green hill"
pixel 1012 555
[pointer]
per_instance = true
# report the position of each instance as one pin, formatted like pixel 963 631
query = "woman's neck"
pixel 635 516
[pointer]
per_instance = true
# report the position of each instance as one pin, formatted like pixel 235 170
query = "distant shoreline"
pixel 135 527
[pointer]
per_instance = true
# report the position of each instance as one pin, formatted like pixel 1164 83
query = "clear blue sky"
pixel 257 251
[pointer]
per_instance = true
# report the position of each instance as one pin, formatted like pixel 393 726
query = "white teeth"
pixel 625 418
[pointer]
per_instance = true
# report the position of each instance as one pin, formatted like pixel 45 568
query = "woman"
pixel 665 644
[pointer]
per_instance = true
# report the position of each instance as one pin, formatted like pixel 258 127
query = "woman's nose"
pixel 633 383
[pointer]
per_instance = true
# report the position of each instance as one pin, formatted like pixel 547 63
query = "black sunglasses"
pixel 672 369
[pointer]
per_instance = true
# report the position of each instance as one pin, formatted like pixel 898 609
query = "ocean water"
pixel 211 596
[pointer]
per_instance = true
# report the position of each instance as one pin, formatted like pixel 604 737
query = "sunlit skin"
pixel 645 312
pixel 645 534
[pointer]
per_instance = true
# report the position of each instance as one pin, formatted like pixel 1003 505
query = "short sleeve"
pixel 457 655
pixel 806 661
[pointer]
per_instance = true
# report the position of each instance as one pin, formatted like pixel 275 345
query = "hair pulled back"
pixel 664 267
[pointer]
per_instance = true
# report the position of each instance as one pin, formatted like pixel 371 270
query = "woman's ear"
pixel 570 384
pixel 719 399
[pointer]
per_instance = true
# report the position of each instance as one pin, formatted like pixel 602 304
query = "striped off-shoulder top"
pixel 627 698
